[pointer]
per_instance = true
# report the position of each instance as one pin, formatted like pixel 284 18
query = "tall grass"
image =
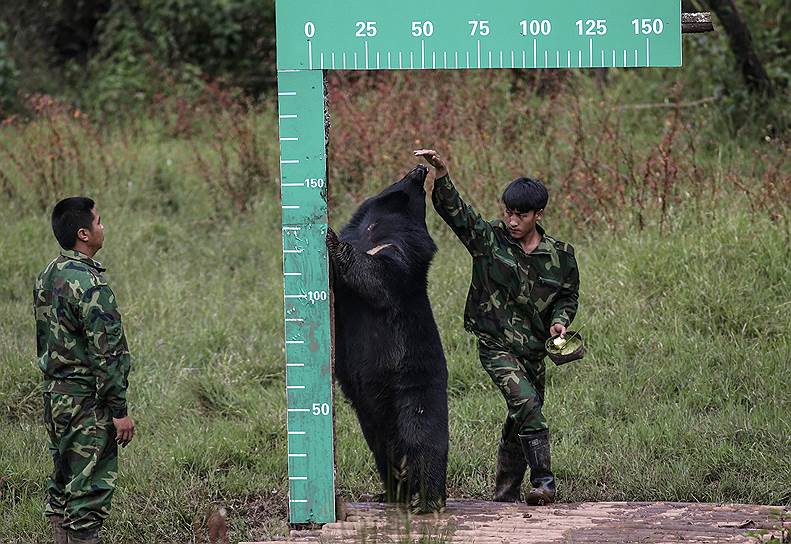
pixel 685 293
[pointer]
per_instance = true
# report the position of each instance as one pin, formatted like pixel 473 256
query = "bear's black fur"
pixel 388 354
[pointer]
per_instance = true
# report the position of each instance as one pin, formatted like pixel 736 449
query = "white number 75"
pixel 479 27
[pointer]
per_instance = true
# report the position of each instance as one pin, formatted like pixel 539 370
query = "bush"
pixel 606 161
pixel 150 48
pixel 8 76
pixel 57 154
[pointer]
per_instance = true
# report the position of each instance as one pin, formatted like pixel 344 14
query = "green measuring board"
pixel 317 35
pixel 470 34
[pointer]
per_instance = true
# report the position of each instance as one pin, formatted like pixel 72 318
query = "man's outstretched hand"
pixel 433 158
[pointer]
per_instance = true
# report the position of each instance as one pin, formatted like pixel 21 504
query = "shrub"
pixel 8 76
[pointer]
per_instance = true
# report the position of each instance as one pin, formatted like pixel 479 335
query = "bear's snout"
pixel 419 173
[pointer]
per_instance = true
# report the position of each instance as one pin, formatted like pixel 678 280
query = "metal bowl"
pixel 554 353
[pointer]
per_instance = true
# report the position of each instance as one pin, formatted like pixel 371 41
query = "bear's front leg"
pixel 371 277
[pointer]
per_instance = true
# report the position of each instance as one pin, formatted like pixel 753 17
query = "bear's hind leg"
pixel 375 434
pixel 379 430
pixel 423 443
pixel 427 478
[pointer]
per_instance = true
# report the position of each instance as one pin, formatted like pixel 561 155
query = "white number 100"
pixel 317 296
pixel 535 28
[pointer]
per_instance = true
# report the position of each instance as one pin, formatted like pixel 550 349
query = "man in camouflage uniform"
pixel 83 354
pixel 524 290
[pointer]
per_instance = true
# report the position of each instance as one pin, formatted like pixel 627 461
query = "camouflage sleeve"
pixel 565 307
pixel 108 353
pixel 41 324
pixel 474 232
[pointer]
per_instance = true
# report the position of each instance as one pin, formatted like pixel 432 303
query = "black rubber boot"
pixel 536 449
pixel 58 531
pixel 511 467
pixel 84 536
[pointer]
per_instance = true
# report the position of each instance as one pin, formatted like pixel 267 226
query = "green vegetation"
pixel 112 57
pixel 682 235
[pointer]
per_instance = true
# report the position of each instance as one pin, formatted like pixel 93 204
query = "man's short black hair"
pixel 70 215
pixel 525 195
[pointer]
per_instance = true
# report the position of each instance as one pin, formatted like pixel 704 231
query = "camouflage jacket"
pixel 80 340
pixel 514 297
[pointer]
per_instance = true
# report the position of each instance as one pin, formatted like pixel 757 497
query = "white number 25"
pixel 366 28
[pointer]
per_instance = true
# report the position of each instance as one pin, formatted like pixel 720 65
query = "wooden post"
pixel 693 23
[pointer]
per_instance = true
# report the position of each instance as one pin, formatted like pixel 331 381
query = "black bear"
pixel 388 353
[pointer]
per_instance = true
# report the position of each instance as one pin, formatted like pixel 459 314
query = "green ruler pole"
pixel 311 467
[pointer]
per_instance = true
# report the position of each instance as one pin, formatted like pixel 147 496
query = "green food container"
pixel 571 350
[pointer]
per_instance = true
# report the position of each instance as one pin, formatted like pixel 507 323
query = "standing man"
pixel 524 290
pixel 83 354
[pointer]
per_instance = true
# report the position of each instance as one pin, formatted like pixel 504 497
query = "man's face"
pixel 93 238
pixel 521 224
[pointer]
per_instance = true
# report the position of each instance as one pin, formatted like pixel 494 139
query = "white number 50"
pixel 422 28
pixel 320 409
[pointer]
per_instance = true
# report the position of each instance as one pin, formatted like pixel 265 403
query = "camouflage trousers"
pixel 85 455
pixel 521 381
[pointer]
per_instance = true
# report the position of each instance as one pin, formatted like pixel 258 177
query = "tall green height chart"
pixel 306 296
pixel 318 35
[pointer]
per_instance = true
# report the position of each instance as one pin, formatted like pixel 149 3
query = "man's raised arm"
pixel 474 232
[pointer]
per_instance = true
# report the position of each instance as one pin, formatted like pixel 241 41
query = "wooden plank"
pixel 496 523
pixel 694 23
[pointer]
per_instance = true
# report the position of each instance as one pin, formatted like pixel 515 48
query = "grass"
pixel 684 394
